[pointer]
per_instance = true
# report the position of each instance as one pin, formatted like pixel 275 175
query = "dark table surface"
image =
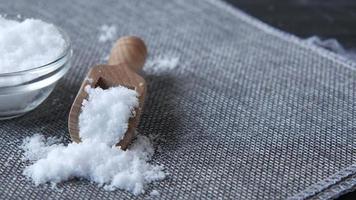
pixel 305 18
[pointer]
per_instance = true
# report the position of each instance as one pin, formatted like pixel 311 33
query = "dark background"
pixel 305 18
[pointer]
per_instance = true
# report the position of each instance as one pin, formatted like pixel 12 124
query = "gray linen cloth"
pixel 249 113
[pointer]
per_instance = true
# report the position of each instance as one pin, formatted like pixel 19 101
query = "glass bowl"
pixel 23 91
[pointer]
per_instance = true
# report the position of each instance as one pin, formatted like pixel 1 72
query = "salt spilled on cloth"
pixel 154 193
pixel 107 33
pixel 161 64
pixel 96 158
pixel 28 44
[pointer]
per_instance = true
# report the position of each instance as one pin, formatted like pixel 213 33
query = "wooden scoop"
pixel 127 57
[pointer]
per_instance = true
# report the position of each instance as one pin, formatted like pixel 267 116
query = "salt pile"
pixel 28 44
pixel 96 158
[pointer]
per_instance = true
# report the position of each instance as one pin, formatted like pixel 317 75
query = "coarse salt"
pixel 161 64
pixel 107 33
pixel 96 158
pixel 28 44
pixel 106 113
pixel 154 193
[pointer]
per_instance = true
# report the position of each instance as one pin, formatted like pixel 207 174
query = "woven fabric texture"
pixel 249 112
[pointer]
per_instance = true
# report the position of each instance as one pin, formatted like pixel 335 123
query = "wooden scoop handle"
pixel 129 50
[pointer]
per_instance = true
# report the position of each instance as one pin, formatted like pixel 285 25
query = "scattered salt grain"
pixel 154 193
pixel 28 44
pixel 161 64
pixel 8 161
pixel 96 158
pixel 90 80
pixel 107 33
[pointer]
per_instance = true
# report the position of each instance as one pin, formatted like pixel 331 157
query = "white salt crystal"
pixel 28 44
pixel 90 80
pixel 107 33
pixel 108 166
pixel 154 193
pixel 96 158
pixel 106 113
pixel 36 147
pixel 161 64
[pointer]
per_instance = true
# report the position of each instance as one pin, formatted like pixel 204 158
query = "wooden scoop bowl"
pixel 127 57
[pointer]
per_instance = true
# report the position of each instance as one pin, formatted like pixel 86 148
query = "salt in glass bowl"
pixel 23 91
